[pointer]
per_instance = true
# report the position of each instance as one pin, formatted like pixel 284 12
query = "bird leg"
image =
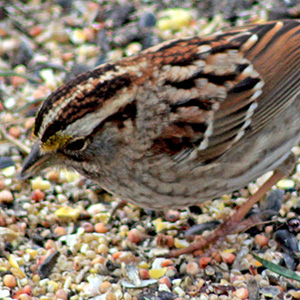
pixel 231 224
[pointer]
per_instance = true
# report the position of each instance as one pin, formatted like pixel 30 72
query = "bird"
pixel 180 123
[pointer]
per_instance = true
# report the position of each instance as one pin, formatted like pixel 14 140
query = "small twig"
pixel 13 140
pixel 10 73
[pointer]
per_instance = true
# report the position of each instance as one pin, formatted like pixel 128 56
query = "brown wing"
pixel 219 87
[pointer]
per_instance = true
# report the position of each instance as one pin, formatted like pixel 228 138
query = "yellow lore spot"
pixel 54 142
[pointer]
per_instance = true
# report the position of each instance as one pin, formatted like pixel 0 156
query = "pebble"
pixel 48 76
pixel 96 209
pixel 25 297
pixel 261 240
pixel 88 227
pixel 52 176
pixel 69 176
pixel 8 172
pixel 52 286
pixel 178 243
pixel 101 228
pixel 133 48
pixel 78 36
pixel 17 81
pixel 171 271
pixel 37 94
pixel 6 197
pixel 104 287
pixel 204 261
pixel 4 293
pixel 172 215
pixel 210 271
pixel 3 33
pixel 32 252
pixel 69 56
pixel 61 294
pixel 40 184
pixel 135 236
pixel 27 289
pixel 144 274
pixel 165 280
pixel 36 278
pixel 174 19
pixel 143 264
pixel 36 30
pixel 29 123
pixel 60 231
pixel 285 184
pixel 102 249
pixel 67 212
pixel 179 291
pixel 192 268
pixel 14 131
pixel 90 254
pixel 157 273
pixel 241 293
pixel 9 281
pixel 160 225
pixel 37 195
pixel 124 256
pixel 110 296
pixel 228 257
pixel 62 198
pixel 295 294
pixel 163 288
pixel 50 245
pixel 167 262
pixel 127 296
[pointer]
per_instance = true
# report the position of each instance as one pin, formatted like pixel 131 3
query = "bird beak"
pixel 36 161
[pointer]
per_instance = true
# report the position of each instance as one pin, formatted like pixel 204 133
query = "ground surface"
pixel 58 238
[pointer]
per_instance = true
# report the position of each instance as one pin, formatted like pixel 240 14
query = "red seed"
pixel 144 274
pixel 9 281
pixel 261 240
pixel 61 294
pixel 135 236
pixel 37 195
pixel 192 268
pixel 204 261
pixel 241 293
pixel 14 131
pixel 36 30
pixel 167 262
pixel 228 257
pixel 165 280
pixel 101 228
pixel 60 231
pixel 172 216
pixel 88 227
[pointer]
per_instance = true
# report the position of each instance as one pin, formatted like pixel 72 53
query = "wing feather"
pixel 226 84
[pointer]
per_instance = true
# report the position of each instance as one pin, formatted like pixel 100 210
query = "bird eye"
pixel 78 144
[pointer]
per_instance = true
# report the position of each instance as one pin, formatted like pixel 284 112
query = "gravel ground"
pixel 60 237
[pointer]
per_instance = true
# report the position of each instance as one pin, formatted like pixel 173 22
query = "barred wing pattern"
pixel 206 92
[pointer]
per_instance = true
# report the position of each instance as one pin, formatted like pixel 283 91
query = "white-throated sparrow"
pixel 182 122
